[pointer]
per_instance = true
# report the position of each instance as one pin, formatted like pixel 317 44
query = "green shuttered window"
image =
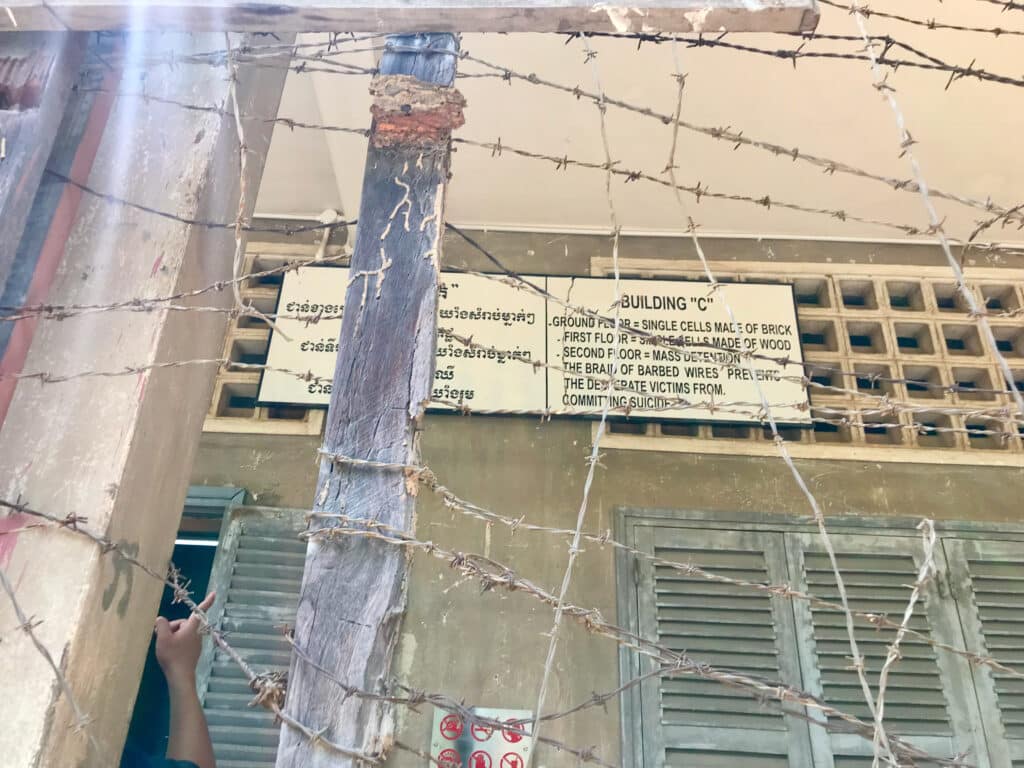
pixel 257 574
pixel 935 699
pixel 702 722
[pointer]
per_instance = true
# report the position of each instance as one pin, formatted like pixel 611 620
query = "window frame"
pixel 627 519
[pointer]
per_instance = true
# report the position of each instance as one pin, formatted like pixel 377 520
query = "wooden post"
pixel 353 590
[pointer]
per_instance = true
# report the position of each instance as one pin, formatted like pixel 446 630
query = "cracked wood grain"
pixel 353 593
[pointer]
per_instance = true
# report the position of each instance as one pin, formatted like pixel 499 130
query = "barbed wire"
pixel 881 737
pixel 929 23
pixel 493 575
pixel 698 190
pixel 956 72
pixel 194 222
pixel 311 64
pixel 735 137
pixel 926 572
pixel 490 573
pixel 752 410
pixel 1006 5
pixel 906 144
pixel 270 688
pixel 610 389
pixel 243 186
pixel 28 625
pixel 426 477
pixel 906 147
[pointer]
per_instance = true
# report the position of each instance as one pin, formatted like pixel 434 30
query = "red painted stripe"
pixel 7 538
pixel 52 251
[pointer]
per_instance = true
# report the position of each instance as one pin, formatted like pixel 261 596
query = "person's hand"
pixel 178 645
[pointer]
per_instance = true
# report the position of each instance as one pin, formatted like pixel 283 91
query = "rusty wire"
pixel 906 143
pixel 728 134
pixel 929 23
pixel 755 410
pixel 881 738
pixel 13 313
pixel 1005 5
pixel 931 63
pixel 269 690
pixel 490 573
pixel 426 477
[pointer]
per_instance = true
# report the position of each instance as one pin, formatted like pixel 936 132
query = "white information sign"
pixel 494 313
pixel 701 374
pixel 703 366
pixel 456 743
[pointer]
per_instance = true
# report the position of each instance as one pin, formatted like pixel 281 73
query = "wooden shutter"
pixel 688 721
pixel 987 579
pixel 929 698
pixel 257 573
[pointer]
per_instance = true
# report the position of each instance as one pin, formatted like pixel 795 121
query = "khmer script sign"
pixel 681 351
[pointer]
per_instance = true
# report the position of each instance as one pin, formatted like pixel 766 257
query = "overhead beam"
pixel 396 16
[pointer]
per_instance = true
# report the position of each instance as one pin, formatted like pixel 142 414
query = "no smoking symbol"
pixel 512 760
pixel 481 732
pixel 451 727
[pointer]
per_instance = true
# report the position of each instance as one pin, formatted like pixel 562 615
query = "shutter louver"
pixel 937 701
pixel 719 624
pixel 1000 603
pixel 988 581
pixel 914 702
pixel 257 574
pixel 691 721
pixel 928 699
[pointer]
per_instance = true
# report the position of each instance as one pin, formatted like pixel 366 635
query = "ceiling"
pixel 968 135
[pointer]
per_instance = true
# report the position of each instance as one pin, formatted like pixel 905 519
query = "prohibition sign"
pixel 511 760
pixel 451 727
pixel 481 732
pixel 449 758
pixel 480 759
pixel 511 736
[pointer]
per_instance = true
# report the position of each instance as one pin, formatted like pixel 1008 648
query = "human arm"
pixel 178 645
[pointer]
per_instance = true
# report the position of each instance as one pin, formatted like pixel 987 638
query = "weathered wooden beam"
pixel 416 15
pixel 353 591
pixel 36 74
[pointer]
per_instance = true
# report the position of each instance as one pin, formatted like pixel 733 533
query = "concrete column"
pixel 119 450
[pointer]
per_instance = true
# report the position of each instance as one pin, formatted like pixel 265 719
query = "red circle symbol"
pixel 481 732
pixel 512 760
pixel 449 758
pixel 512 736
pixel 451 727
pixel 480 759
